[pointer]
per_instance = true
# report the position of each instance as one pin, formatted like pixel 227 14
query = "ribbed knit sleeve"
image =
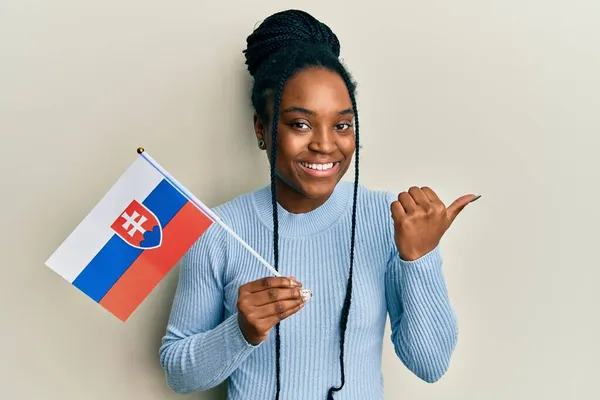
pixel 201 348
pixel 424 326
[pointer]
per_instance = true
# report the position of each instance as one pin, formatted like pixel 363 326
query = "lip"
pixel 321 174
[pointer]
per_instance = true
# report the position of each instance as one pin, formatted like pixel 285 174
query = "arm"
pixel 200 348
pixel 424 326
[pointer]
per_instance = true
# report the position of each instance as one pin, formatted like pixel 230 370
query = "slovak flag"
pixel 132 238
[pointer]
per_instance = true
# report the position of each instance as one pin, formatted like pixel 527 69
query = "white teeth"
pixel 319 167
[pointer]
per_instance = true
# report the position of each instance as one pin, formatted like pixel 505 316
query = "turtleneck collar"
pixel 309 223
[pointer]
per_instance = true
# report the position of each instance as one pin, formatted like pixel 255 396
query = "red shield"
pixel 138 226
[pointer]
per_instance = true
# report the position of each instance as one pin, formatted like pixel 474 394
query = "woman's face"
pixel 315 133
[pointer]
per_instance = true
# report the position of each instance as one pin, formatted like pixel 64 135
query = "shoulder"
pixel 374 217
pixel 236 208
pixel 374 201
pixel 211 246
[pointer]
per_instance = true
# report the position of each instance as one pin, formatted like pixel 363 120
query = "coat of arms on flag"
pixel 138 226
pixel 133 237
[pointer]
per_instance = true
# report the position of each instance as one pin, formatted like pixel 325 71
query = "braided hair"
pixel 284 44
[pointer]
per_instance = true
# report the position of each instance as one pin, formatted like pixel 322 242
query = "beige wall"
pixel 494 97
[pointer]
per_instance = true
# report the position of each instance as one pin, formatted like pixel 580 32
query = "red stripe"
pixel 152 265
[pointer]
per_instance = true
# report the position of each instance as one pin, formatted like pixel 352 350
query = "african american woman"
pixel 362 254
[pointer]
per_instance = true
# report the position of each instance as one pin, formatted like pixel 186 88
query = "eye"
pixel 300 126
pixel 343 127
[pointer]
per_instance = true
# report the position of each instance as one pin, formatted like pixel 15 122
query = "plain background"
pixel 493 97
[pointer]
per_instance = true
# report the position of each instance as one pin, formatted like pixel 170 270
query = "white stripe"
pixel 94 231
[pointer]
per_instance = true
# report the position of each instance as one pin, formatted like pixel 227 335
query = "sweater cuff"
pixel 431 260
pixel 234 333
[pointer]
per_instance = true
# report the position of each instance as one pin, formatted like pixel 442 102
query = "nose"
pixel 323 141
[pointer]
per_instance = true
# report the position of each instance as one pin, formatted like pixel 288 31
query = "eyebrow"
pixel 310 112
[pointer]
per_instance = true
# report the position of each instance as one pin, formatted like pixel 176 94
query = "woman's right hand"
pixel 265 302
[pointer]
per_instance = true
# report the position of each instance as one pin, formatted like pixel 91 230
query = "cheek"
pixel 347 145
pixel 289 146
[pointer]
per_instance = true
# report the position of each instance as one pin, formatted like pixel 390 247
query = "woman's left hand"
pixel 421 219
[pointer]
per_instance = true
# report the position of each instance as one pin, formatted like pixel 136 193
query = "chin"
pixel 320 192
pixel 315 190
pixel 310 186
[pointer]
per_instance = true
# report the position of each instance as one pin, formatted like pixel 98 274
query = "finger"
pixel 275 319
pixel 397 210
pixel 418 196
pixel 280 309
pixel 272 282
pixel 408 203
pixel 272 295
pixel 431 195
pixel 458 205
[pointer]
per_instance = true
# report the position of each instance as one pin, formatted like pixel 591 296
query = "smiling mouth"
pixel 320 169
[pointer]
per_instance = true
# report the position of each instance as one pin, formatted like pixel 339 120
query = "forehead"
pixel 316 89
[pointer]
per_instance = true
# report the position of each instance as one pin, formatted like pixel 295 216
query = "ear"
pixel 259 128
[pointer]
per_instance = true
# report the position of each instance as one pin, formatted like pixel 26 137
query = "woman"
pixel 362 253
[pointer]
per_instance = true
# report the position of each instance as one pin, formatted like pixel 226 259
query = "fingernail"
pixel 476 198
pixel 294 282
pixel 306 294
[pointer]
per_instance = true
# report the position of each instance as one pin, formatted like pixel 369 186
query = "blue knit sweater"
pixel 204 346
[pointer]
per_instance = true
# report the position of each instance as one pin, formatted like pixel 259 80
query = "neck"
pixel 293 201
pixel 300 217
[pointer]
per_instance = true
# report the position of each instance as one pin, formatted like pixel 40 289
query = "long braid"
pixel 348 298
pixel 274 138
pixel 287 42
pixel 275 232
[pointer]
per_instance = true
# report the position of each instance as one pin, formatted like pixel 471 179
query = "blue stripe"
pixel 116 256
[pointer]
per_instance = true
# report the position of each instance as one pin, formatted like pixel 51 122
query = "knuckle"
pixel 400 220
pixel 242 305
pixel 267 282
pixel 241 309
pixel 273 294
pixel 280 310
pixel 240 302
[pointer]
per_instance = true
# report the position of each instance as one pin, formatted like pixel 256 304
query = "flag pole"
pixel 204 208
